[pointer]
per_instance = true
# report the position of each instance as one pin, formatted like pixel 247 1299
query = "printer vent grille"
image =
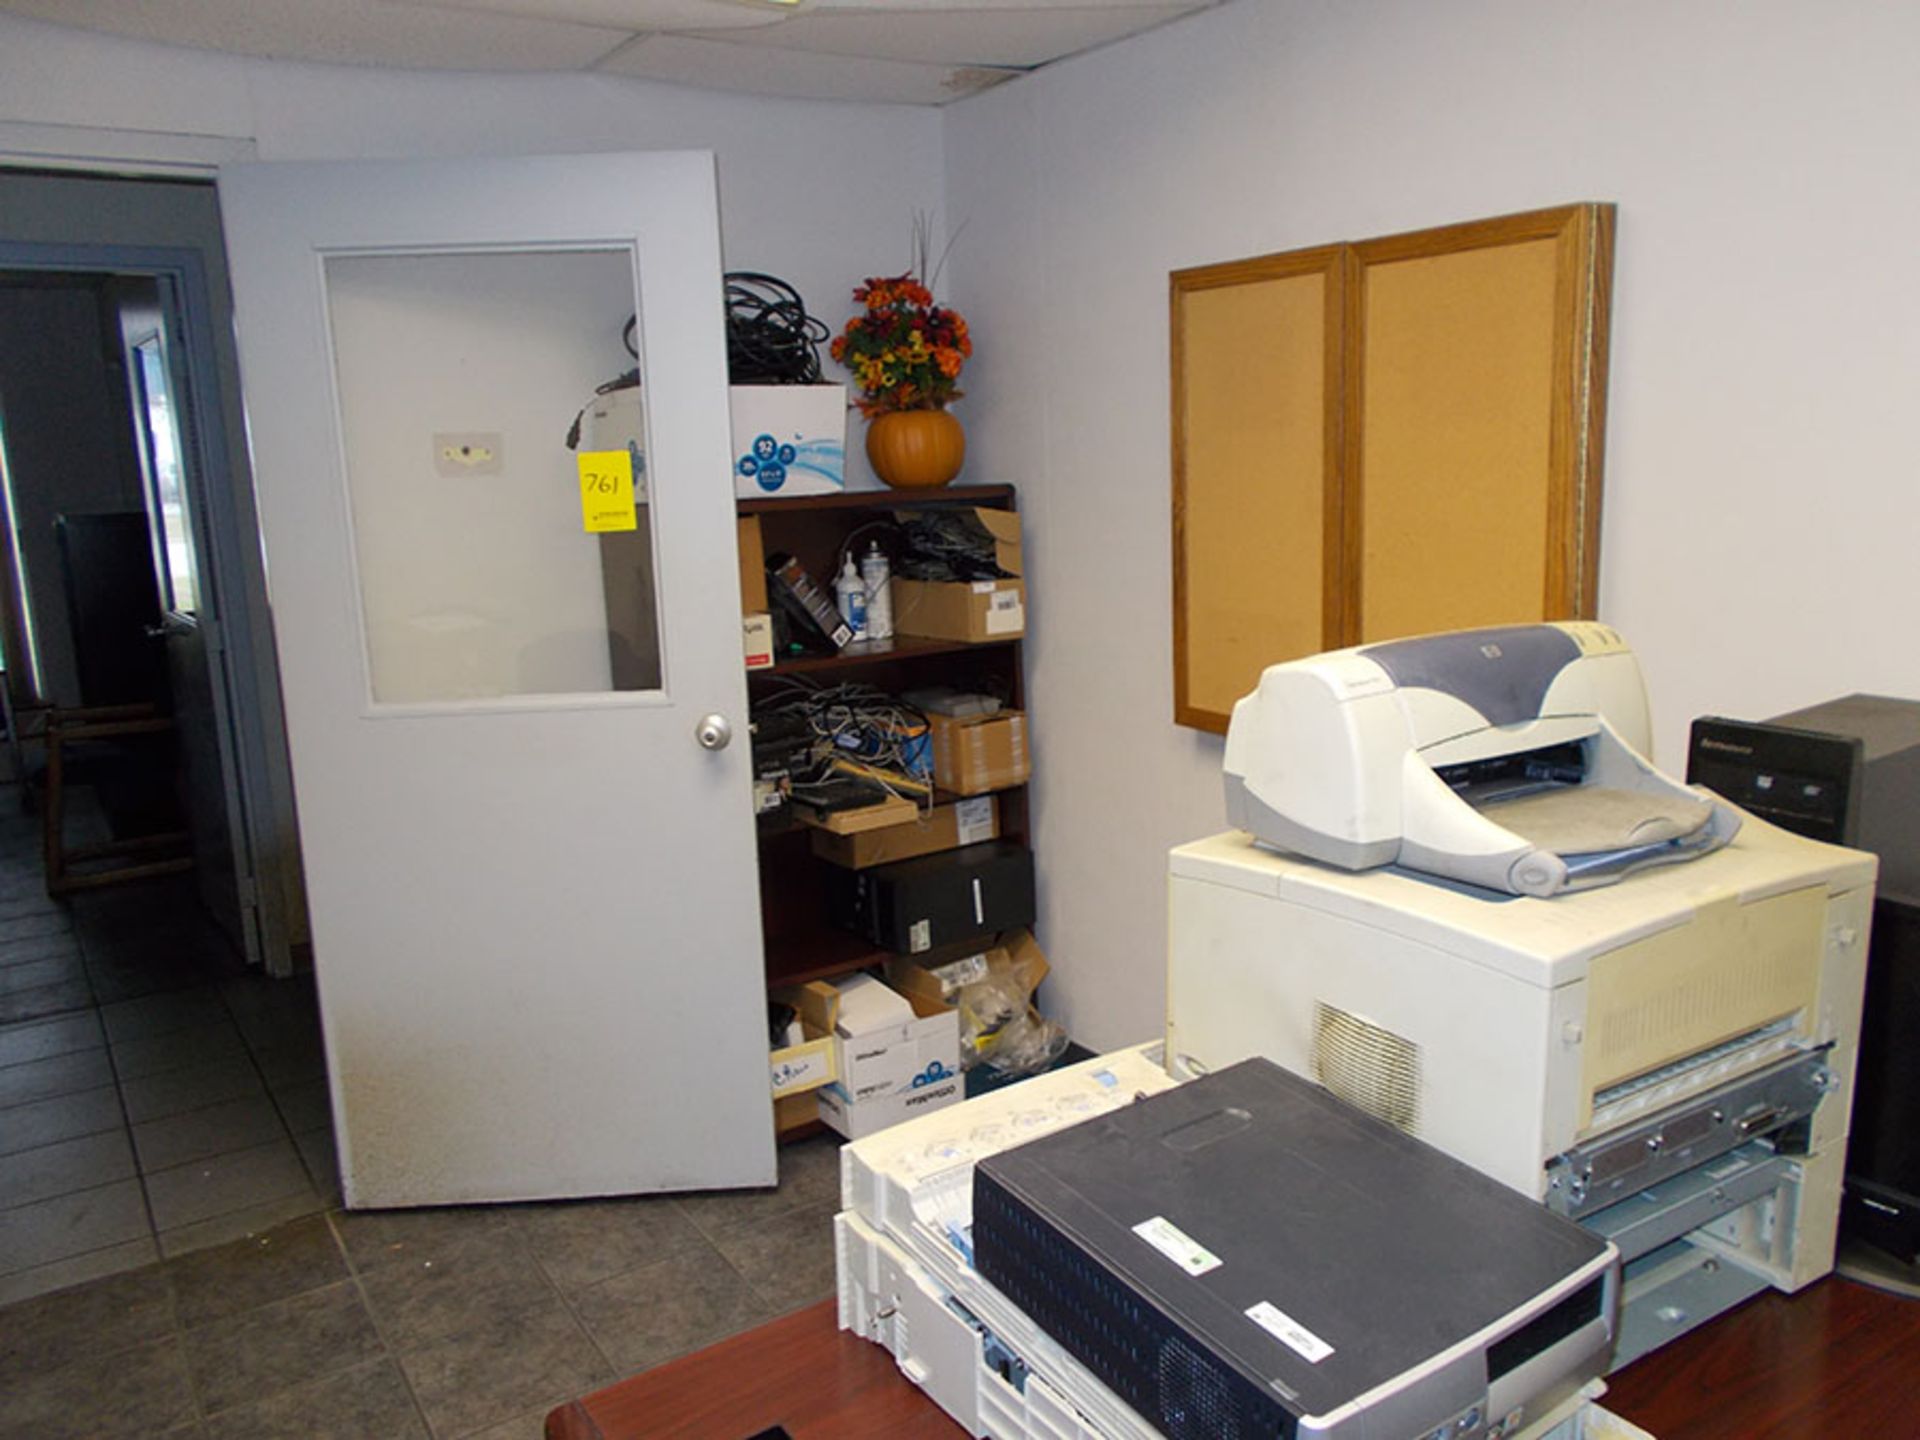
pixel 1367 1065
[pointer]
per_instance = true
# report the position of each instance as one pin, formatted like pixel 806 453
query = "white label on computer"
pixel 1178 1246
pixel 1290 1332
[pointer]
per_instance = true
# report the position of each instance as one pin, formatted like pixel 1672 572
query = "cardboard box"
pixel 884 1046
pixel 789 439
pixel 814 1062
pixel 945 827
pixel 753 565
pixel 794 1110
pixel 975 754
pixel 756 634
pixel 971 610
pixel 930 982
pixel 891 1062
pixel 965 609
pixel 858 1119
pixel 923 1051
pixel 934 984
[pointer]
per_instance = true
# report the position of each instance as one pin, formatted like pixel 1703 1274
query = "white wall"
pixel 1761 531
pixel 820 194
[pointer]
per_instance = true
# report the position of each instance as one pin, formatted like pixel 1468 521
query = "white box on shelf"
pixel 756 632
pixel 857 1119
pixel 789 440
pixel 884 1046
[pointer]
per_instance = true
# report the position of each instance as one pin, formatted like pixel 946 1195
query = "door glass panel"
pixel 160 450
pixel 458 376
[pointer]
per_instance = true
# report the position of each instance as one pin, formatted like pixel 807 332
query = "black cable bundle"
pixel 860 733
pixel 946 545
pixel 771 340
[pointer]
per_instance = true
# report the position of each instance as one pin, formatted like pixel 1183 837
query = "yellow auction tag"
pixel 606 491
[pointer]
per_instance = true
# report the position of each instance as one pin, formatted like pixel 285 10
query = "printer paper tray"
pixel 1660 1213
pixel 1575 820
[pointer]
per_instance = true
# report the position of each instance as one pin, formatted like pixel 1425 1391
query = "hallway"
pixel 153 1098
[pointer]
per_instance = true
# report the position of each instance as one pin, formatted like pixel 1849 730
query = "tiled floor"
pixel 164 1127
pixel 153 1099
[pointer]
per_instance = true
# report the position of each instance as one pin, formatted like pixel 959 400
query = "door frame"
pixel 220 546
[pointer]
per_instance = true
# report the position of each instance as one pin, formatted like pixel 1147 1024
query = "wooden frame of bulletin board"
pixel 1385 438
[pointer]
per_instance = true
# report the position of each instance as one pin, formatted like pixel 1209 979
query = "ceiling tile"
pixel 763 70
pixel 963 36
pixel 356 32
pixel 631 15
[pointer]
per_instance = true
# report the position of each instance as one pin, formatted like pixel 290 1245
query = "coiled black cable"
pixel 771 339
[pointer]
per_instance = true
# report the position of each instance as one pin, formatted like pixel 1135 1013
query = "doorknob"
pixel 713 732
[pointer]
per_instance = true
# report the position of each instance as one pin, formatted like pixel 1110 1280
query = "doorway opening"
pixel 119 415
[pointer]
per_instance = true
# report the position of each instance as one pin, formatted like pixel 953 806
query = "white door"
pixel 534 906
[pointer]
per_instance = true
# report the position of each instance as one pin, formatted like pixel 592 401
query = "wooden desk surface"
pixel 1837 1360
pixel 800 1371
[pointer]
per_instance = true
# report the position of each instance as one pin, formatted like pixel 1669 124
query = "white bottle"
pixel 879 583
pixel 851 598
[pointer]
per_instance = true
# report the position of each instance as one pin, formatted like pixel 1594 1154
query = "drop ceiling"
pixel 919 52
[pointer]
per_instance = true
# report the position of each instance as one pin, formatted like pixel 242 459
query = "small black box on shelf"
pixel 922 904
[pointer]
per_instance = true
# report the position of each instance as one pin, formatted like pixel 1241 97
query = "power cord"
pixel 771 339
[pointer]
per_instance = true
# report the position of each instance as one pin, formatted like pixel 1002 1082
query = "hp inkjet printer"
pixel 1509 758
pixel 1668 1059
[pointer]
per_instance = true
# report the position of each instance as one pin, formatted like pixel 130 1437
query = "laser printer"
pixel 1667 1057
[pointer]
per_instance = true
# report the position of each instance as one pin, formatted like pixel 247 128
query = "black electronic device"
pixel 1848 772
pixel 1246 1255
pixel 1799 779
pixel 913 906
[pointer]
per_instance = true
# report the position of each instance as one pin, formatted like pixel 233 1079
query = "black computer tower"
pixel 1848 772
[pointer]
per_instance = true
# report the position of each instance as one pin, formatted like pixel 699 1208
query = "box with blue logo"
pixel 788 440
pixel 892 1063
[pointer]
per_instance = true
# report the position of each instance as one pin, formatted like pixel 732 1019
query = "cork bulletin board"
pixel 1384 438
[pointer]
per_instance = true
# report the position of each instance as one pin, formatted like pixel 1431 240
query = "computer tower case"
pixel 1848 772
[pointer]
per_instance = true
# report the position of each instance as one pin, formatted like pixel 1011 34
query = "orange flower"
pixel 903 351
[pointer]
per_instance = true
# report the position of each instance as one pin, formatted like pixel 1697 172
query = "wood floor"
pixel 1838 1360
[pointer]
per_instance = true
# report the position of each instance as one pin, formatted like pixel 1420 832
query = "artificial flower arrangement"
pixel 904 351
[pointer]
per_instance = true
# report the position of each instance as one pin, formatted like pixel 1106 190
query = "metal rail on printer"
pixel 1611 1167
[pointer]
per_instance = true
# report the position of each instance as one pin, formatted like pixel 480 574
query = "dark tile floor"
pixel 174 1254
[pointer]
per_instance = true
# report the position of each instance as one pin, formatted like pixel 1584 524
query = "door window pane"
pixel 458 376
pixel 160 448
